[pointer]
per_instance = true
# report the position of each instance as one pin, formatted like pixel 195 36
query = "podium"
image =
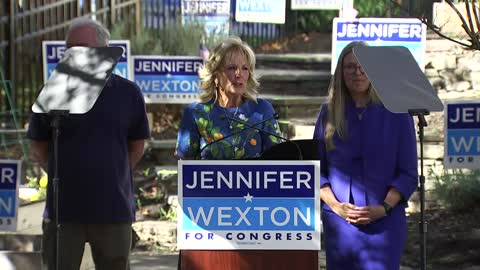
pixel 249 259
pixel 259 259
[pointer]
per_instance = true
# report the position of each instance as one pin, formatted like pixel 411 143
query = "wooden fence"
pixel 24 24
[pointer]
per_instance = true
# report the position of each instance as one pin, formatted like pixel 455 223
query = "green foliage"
pixel 457 189
pixel 315 20
pixel 170 214
pixel 174 39
pixel 39 183
pixel 139 198
pixel 376 8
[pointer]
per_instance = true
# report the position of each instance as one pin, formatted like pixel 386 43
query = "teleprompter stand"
pixel 72 88
pixel 422 223
pixel 403 88
pixel 55 118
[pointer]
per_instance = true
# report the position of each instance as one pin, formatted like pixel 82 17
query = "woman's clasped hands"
pixel 359 215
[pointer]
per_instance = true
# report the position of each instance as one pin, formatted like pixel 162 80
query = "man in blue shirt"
pixel 96 153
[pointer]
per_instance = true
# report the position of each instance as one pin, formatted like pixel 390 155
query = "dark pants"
pixel 110 244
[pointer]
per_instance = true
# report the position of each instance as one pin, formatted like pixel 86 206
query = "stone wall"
pixel 455 74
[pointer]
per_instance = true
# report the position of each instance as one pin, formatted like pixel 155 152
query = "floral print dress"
pixel 206 133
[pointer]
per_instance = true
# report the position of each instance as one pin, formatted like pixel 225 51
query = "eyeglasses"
pixel 352 69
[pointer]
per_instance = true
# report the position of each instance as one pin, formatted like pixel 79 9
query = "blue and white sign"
pixel 53 52
pixel 168 79
pixel 261 11
pixel 317 4
pixel 410 33
pixel 10 171
pixel 214 14
pixel 462 135
pixel 249 205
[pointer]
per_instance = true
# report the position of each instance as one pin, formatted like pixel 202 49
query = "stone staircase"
pixel 304 75
pixel 21 249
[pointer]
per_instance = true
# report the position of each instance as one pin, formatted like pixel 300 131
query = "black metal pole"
pixel 11 70
pixel 55 124
pixel 422 224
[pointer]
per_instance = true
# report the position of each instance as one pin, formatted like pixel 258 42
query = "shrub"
pixel 457 189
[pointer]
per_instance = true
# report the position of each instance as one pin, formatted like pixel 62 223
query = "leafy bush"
pixel 170 214
pixel 40 183
pixel 315 20
pixel 458 189
pixel 376 8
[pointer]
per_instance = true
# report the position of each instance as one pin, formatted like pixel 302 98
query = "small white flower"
pixel 241 116
pixel 275 125
pixel 235 149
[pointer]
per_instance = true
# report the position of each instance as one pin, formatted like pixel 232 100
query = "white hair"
pixel 103 35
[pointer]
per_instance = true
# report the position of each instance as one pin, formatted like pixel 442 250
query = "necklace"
pixel 360 114
pixel 234 114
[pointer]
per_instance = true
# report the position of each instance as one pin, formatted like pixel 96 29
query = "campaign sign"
pixel 214 14
pixel 10 171
pixel 410 33
pixel 249 205
pixel 261 11
pixel 462 135
pixel 317 4
pixel 168 79
pixel 53 52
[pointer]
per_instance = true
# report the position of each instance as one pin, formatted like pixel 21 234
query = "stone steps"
pixel 293 82
pixel 295 61
pixel 20 242
pixel 20 260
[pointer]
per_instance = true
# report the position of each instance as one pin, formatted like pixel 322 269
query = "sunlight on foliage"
pixel 458 189
pixel 38 183
pixel 170 214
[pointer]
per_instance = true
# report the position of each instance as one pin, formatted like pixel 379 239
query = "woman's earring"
pixel 217 85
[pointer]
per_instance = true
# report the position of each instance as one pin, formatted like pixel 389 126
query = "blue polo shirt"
pixel 95 176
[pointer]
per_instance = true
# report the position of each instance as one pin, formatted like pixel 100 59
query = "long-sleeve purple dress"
pixel 379 152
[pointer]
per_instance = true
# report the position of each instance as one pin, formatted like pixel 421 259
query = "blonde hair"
pixel 217 61
pixel 337 98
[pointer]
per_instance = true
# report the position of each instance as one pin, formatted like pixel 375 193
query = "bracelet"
pixel 388 208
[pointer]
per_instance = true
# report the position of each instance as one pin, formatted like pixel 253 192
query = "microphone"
pixel 255 126
pixel 274 116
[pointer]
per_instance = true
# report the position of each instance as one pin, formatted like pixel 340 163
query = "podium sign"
pixel 10 171
pixel 229 205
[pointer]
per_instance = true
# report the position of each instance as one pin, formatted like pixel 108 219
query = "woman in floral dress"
pixel 230 91
pixel 207 130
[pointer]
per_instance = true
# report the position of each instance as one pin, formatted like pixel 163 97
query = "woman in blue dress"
pixel 214 127
pixel 368 172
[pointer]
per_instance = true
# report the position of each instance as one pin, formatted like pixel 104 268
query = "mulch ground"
pixel 453 239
